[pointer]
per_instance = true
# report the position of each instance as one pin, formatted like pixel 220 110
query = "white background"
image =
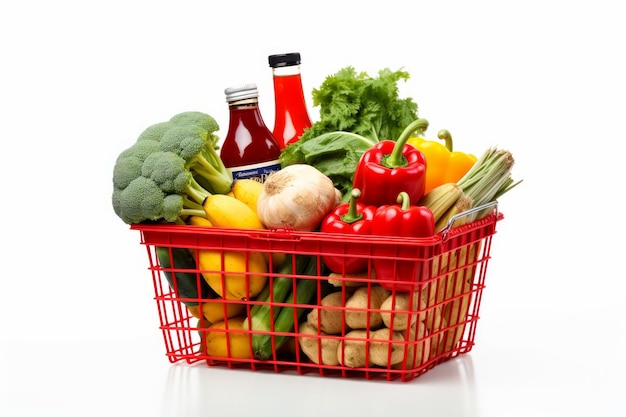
pixel 80 80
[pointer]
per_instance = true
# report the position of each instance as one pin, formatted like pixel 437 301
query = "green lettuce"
pixel 356 112
pixel 336 154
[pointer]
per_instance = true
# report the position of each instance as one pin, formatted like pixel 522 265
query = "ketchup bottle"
pixel 291 116
pixel 249 149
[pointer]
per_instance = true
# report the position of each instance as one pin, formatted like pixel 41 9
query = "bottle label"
pixel 258 172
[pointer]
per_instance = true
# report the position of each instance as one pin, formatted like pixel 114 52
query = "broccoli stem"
pixel 190 208
pixel 192 212
pixel 190 204
pixel 209 165
pixel 196 192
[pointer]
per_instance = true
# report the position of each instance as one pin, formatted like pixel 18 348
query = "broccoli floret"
pixel 207 123
pixel 129 162
pixel 141 200
pixel 196 118
pixel 185 141
pixel 169 171
pixel 126 169
pixel 154 133
pixel 190 143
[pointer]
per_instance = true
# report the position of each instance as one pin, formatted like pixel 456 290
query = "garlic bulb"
pixel 297 197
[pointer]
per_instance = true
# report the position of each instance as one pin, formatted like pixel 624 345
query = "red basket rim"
pixel 319 236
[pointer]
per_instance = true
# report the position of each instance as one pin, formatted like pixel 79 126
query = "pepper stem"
pixel 353 215
pixel 396 157
pixel 404 200
pixel 444 135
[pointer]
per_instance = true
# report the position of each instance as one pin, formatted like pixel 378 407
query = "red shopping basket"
pixel 349 325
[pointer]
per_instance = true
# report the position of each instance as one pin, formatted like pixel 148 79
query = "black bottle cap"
pixel 284 60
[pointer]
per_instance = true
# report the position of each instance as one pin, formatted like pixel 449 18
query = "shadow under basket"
pixel 413 305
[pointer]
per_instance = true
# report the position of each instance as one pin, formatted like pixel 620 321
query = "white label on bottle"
pixel 258 172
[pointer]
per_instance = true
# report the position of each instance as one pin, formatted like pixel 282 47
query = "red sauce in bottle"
pixel 249 149
pixel 291 115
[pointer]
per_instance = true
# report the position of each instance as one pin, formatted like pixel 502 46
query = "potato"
pixel 398 314
pixel 352 353
pixel 310 345
pixel 330 320
pixel 358 307
pixel 454 313
pixel 418 350
pixel 435 325
pixel 460 296
pixel 350 280
pixel 388 349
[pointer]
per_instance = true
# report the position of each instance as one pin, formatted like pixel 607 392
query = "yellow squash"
pixel 198 221
pixel 225 339
pixel 247 190
pixel 226 211
pixel 217 309
pixel 234 275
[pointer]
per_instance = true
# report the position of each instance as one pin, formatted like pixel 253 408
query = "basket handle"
pixel 474 210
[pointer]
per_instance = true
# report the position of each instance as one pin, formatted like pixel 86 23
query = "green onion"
pixel 489 178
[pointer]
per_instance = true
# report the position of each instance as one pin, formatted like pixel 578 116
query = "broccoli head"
pixel 169 171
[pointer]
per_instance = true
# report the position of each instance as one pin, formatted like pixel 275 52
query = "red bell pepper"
pixel 389 168
pixel 402 220
pixel 348 218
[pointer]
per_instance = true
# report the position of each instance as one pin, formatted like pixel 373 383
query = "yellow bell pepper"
pixel 442 163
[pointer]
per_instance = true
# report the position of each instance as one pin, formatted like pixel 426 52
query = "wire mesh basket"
pixel 217 297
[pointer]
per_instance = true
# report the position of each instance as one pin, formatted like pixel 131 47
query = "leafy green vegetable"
pixel 355 102
pixel 356 112
pixel 336 154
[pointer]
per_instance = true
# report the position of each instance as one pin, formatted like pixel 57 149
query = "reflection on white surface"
pixel 446 390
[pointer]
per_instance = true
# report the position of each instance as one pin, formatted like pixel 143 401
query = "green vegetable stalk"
pixel 169 171
pixel 264 343
pixel 488 179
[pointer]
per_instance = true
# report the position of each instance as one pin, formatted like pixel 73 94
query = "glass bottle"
pixel 249 149
pixel 291 117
